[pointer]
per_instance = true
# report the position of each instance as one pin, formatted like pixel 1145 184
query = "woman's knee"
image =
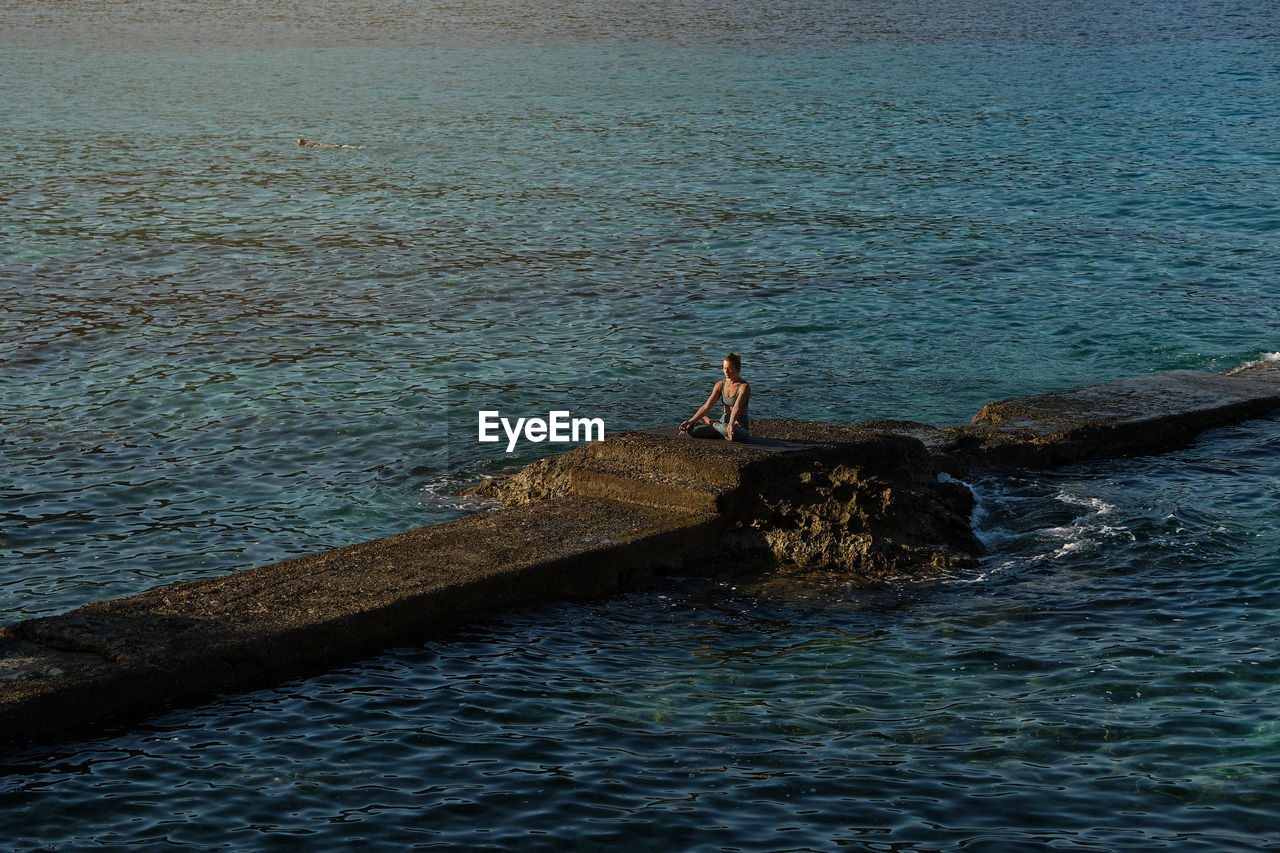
pixel 704 431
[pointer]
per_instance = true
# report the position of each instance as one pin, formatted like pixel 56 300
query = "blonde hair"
pixel 734 359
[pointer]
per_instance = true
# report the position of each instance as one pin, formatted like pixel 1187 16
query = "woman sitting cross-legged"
pixel 732 393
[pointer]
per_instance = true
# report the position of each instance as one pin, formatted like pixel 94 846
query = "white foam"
pixel 989 570
pixel 1086 532
pixel 1097 505
pixel 441 494
pixel 988 506
pixel 1071 546
pixel 1265 358
pixel 996 524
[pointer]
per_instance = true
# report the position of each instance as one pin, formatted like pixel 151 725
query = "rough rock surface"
pixel 866 502
pixel 1143 414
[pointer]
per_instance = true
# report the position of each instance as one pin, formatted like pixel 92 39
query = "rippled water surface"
pixel 220 349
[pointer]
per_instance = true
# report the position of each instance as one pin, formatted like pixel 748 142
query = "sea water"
pixel 221 349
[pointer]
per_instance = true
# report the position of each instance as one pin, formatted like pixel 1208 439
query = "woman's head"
pixel 732 364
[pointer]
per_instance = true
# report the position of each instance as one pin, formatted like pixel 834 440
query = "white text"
pixel 559 427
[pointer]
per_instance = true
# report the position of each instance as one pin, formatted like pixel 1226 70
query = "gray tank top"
pixel 729 402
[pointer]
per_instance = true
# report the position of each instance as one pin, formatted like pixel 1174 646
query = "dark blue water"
pixel 220 349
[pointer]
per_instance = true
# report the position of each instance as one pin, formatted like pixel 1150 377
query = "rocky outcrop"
pixel 865 502
pixel 869 507
pixel 881 498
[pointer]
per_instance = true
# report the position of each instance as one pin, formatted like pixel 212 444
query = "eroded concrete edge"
pixel 112 661
pixel 1133 416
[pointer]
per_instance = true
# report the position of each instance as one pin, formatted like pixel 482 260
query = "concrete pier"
pixel 865 498
pixel 1143 414
pixel 115 660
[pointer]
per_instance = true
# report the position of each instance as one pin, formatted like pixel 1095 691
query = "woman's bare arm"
pixel 706 407
pixel 744 392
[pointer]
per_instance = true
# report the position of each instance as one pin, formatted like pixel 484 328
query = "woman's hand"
pixel 700 415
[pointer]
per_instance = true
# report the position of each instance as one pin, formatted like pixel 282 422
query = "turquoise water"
pixel 221 349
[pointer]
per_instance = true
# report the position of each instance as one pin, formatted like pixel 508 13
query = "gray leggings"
pixel 718 429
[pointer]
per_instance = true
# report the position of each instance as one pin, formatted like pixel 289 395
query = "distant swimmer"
pixel 302 141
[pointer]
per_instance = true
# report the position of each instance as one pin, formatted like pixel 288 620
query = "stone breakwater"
pixel 866 500
pixel 873 500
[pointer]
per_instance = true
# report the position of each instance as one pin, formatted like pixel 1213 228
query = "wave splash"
pixel 1265 358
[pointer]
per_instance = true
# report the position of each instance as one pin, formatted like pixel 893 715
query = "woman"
pixel 733 394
